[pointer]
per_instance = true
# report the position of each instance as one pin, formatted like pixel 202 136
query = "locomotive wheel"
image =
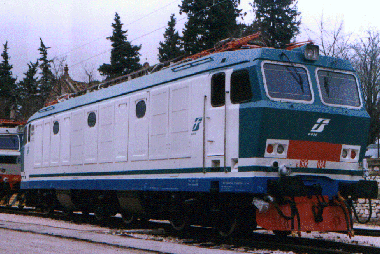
pixel 179 221
pixel 101 214
pixel 85 214
pixel 67 213
pixel 46 209
pixel 144 220
pixel 227 226
pixel 247 222
pixel 128 218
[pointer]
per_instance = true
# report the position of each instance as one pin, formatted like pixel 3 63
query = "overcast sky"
pixel 78 29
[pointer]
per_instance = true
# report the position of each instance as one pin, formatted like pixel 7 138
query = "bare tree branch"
pixel 332 42
pixel 366 60
pixel 90 72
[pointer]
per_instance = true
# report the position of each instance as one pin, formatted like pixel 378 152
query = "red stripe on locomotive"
pixel 310 150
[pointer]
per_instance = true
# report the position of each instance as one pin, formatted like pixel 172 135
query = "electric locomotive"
pixel 242 137
pixel 10 158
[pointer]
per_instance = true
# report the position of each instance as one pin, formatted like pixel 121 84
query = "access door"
pixel 215 124
pixel 138 149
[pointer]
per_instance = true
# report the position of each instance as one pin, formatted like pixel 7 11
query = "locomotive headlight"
pixel 350 153
pixel 270 148
pixel 280 149
pixel 344 153
pixel 276 148
pixel 311 52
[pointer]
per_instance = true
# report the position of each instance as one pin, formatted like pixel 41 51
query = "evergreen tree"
pixel 209 22
pixel 46 80
pixel 7 84
pixel 28 87
pixel 171 48
pixel 125 57
pixel 29 99
pixel 277 21
pixel 245 30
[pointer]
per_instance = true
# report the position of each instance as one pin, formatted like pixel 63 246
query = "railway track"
pixel 206 238
pixel 367 232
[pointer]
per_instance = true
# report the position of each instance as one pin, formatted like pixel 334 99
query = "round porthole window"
pixel 140 109
pixel 91 120
pixel 56 127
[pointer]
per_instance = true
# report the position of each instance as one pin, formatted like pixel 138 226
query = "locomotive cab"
pixel 10 157
pixel 312 139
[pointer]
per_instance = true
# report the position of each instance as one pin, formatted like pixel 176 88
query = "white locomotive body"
pixel 204 140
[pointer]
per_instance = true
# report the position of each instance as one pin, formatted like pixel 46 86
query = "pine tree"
pixel 7 84
pixel 277 21
pixel 28 97
pixel 209 21
pixel 46 80
pixel 125 57
pixel 171 48
pixel 28 87
pixel 245 30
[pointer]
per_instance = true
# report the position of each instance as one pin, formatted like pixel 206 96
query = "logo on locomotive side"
pixel 320 125
pixel 197 121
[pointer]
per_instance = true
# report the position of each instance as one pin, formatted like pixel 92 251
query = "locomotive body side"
pixel 208 141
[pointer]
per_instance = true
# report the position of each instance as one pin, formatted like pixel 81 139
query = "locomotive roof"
pixel 202 65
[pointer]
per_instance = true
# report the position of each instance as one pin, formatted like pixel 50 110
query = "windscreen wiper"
pixel 295 74
pixel 326 84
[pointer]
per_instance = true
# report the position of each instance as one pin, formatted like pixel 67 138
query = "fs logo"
pixel 320 125
pixel 197 121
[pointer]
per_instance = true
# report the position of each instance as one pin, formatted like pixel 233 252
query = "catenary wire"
pixel 142 36
pixel 100 38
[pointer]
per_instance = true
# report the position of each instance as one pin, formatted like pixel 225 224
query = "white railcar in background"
pixel 10 155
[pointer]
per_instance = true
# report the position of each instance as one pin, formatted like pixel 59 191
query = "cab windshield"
pixel 9 142
pixel 286 81
pixel 338 88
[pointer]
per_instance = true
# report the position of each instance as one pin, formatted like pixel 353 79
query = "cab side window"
pixel 218 89
pixel 241 90
pixel 25 136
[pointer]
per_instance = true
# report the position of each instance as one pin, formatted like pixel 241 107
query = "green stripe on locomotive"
pixel 270 120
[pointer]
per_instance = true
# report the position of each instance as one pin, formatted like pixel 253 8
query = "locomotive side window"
pixel 140 109
pixel 25 139
pixel 240 87
pixel 9 142
pixel 29 132
pixel 91 120
pixel 338 88
pixel 287 82
pixel 55 127
pixel 218 89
